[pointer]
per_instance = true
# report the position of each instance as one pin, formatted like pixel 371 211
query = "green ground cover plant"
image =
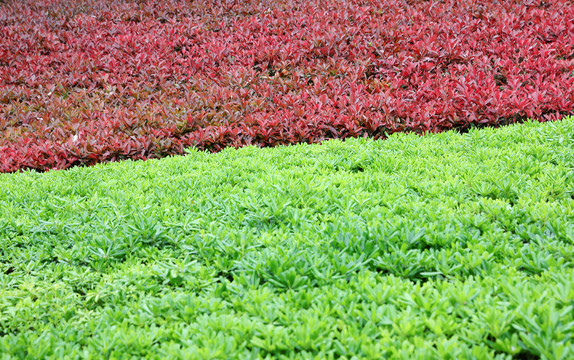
pixel 448 246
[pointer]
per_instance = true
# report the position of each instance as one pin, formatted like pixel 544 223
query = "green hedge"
pixel 448 246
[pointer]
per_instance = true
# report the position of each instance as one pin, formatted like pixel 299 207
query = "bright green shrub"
pixel 446 246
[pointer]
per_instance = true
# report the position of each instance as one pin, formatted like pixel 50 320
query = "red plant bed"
pixel 83 82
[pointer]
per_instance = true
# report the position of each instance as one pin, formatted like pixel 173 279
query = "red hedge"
pixel 83 82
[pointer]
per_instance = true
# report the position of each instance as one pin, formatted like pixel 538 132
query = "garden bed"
pixel 446 246
pixel 83 82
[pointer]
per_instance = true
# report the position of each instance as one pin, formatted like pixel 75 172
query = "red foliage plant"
pixel 89 81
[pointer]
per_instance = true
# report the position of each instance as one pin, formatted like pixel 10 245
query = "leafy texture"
pixel 89 81
pixel 448 246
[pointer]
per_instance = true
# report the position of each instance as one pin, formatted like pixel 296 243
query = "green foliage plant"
pixel 445 246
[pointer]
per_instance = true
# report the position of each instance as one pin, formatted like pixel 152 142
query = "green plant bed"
pixel 445 246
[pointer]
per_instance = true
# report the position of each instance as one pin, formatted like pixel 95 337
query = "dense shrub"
pixel 83 82
pixel 442 247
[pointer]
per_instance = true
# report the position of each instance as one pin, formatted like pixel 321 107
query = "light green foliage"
pixel 446 246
